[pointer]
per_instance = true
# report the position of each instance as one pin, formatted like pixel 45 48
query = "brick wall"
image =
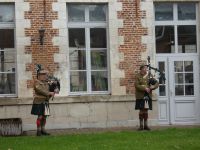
pixel 132 48
pixel 41 16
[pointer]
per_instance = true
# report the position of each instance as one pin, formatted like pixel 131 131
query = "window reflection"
pixel 99 59
pixel 161 66
pixel 188 66
pixel 189 78
pixel 76 13
pixel 7 12
pixel 162 86
pixel 77 59
pixel 184 79
pixel 187 39
pixel 178 77
pixel 162 90
pixel 78 81
pixel 179 90
pixel 7 61
pixel 7 83
pixel 163 11
pixel 99 81
pixel 189 89
pixel 178 66
pixel 186 11
pixel 7 72
pixel 164 39
pixel 97 12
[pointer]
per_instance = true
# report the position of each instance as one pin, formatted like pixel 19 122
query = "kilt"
pixel 40 109
pixel 140 104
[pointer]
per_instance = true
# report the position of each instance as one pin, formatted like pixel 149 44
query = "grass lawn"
pixel 163 139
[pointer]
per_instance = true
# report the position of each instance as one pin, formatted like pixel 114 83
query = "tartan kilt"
pixel 39 109
pixel 140 104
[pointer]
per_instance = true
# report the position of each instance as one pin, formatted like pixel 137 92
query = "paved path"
pixel 99 130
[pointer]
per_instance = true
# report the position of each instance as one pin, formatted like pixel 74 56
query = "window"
pixel 88 61
pixel 7 51
pixel 184 78
pixel 162 86
pixel 176 27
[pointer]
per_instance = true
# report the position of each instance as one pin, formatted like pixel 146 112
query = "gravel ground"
pixel 99 130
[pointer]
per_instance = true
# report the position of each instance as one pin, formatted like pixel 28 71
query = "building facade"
pixel 95 48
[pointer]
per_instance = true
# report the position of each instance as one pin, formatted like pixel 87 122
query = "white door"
pixel 178 97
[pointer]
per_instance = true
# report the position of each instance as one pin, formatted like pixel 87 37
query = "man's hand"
pixel 148 90
pixel 51 93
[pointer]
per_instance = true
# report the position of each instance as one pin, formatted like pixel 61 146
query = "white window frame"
pixel 87 25
pixel 10 25
pixel 175 23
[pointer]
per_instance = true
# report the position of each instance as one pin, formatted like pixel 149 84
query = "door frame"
pixel 170 101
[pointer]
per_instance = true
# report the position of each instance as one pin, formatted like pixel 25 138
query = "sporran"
pixel 146 104
pixel 46 109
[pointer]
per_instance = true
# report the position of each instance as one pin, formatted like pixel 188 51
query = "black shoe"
pixel 39 133
pixel 44 133
pixel 147 128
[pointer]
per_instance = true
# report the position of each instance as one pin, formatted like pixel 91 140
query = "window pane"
pixel 163 11
pixel 77 60
pixel 78 81
pixel 7 83
pixel 6 38
pixel 178 66
pixel 7 12
pixel 186 11
pixel 187 39
pixel 162 91
pixel 88 47
pixel 98 59
pixel 99 81
pixel 161 66
pixel 76 13
pixel 7 61
pixel 77 37
pixel 164 39
pixel 189 89
pixel 179 90
pixel 179 78
pixel 189 78
pixel 188 66
pixel 98 38
pixel 97 12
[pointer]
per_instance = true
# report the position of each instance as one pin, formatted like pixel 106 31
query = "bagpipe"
pixel 152 81
pixel 53 82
